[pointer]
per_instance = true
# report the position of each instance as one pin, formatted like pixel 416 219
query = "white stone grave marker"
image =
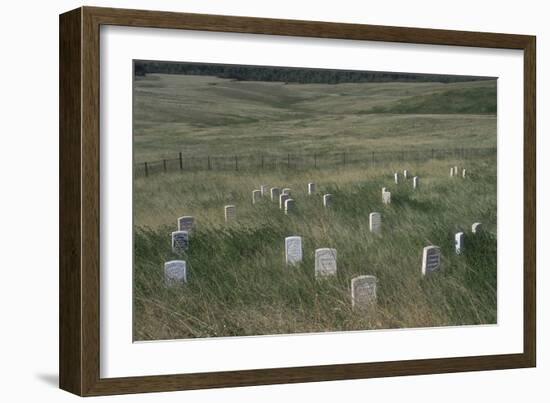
pixel 464 172
pixel 180 241
pixel 327 200
pixel 186 223
pixel 325 262
pixel 477 227
pixel 396 178
pixel 416 182
pixel 452 172
pixel 256 195
pixel 431 259
pixel 275 192
pixel 230 213
pixel 456 171
pixel 286 191
pixel 375 222
pixel 175 272
pixel 293 250
pixel 386 197
pixel 363 292
pixel 405 174
pixel 282 199
pixel 459 242
pixel 311 188
pixel 263 190
pixel 290 205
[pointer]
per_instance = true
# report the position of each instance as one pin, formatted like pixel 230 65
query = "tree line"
pixel 291 74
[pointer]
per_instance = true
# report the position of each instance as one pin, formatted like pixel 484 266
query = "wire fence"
pixel 297 161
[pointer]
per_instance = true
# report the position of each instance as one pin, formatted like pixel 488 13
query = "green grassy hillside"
pixel 201 116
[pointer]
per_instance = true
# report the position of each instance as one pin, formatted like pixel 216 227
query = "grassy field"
pixel 238 282
pixel 202 116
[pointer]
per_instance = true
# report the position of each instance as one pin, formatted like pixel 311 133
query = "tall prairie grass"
pixel 238 283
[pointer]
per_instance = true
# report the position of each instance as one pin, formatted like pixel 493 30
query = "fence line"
pixel 298 161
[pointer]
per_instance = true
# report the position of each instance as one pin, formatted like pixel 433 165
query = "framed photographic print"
pixel 249 201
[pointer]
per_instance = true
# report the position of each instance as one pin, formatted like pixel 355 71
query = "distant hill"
pixel 291 74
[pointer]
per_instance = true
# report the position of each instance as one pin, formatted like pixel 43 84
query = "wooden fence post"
pixel 181 161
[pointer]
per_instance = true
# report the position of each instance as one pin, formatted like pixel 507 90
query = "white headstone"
pixel 186 223
pixel 325 262
pixel 175 272
pixel 386 197
pixel 375 222
pixel 363 292
pixel 405 174
pixel 452 172
pixel 459 242
pixel 286 191
pixel 282 199
pixel 416 182
pixel 327 200
pixel 464 172
pixel 431 259
pixel 311 188
pixel 263 190
pixel 456 171
pixel 230 213
pixel 290 205
pixel 477 227
pixel 256 195
pixel 396 178
pixel 383 190
pixel 293 249
pixel 275 192
pixel 180 241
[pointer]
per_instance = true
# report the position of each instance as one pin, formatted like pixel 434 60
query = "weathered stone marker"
pixel 256 196
pixel 456 171
pixel 464 172
pixel 311 188
pixel 431 259
pixel 452 172
pixel 375 222
pixel 327 200
pixel 459 242
pixel 325 262
pixel 286 191
pixel 275 192
pixel 386 197
pixel 416 182
pixel 477 228
pixel 290 205
pixel 180 241
pixel 175 272
pixel 186 223
pixel 383 190
pixel 293 250
pixel 405 174
pixel 263 190
pixel 282 199
pixel 363 292
pixel 396 178
pixel 230 213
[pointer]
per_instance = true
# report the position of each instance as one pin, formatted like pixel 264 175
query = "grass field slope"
pixel 203 115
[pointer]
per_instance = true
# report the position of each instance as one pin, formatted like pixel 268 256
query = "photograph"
pixel 273 200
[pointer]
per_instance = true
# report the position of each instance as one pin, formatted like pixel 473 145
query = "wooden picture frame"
pixel 79 346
